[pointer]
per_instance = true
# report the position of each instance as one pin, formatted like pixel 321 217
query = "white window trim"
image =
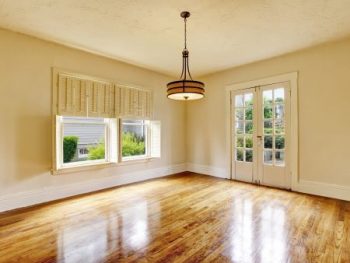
pixel 61 167
pixel 112 144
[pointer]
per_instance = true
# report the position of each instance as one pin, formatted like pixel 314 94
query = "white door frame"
pixel 292 78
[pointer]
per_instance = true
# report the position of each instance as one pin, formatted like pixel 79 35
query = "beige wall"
pixel 194 133
pixel 324 112
pixel 25 112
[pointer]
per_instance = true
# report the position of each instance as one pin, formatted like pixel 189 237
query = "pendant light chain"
pixel 185 33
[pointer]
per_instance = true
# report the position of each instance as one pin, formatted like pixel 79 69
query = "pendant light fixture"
pixel 185 88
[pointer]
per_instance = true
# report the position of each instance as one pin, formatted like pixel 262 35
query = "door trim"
pixel 292 78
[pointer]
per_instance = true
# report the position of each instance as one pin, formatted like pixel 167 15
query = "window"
pixel 134 139
pixel 89 126
pixel 139 139
pixel 84 141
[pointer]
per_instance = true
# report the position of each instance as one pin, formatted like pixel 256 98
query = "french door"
pixel 260 135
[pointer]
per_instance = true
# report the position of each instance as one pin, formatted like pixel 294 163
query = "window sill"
pixel 96 166
pixel 80 168
pixel 135 160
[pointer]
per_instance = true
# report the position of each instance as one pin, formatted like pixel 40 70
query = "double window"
pixel 99 121
pixel 83 141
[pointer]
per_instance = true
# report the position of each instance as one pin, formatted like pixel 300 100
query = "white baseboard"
pixel 23 199
pixel 208 170
pixel 323 189
pixel 303 186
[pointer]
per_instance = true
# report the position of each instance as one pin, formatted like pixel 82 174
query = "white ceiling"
pixel 149 33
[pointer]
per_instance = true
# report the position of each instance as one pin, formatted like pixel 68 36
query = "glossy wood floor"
pixel 183 218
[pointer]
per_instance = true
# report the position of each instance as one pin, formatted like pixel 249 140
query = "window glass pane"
pixel 279 157
pixel 239 114
pixel 248 141
pixel 249 113
pixel 83 139
pixel 239 141
pixel 279 126
pixel 133 122
pixel 249 155
pixel 248 127
pixel 279 142
pixel 268 112
pixel 239 155
pixel 239 101
pixel 279 95
pixel 133 138
pixel 268 127
pixel 267 157
pixel 267 96
pixel 248 99
pixel 268 142
pixel 83 119
pixel 239 127
pixel 279 111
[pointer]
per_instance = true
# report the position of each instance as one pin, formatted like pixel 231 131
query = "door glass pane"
pixel 279 126
pixel 279 157
pixel 279 95
pixel 279 111
pixel 239 127
pixel 267 157
pixel 249 113
pixel 279 142
pixel 239 114
pixel 267 97
pixel 239 101
pixel 248 155
pixel 243 116
pixel 268 142
pixel 248 127
pixel 239 141
pixel 239 154
pixel 248 141
pixel 248 99
pixel 268 113
pixel 268 127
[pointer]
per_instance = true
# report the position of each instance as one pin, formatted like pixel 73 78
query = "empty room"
pixel 175 131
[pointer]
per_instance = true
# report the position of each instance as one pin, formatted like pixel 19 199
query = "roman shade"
pixel 134 103
pixel 82 95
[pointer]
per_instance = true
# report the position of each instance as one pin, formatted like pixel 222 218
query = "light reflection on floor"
pixel 136 237
pixel 89 241
pixel 263 232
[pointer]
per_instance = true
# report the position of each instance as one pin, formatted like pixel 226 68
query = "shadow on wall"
pixel 33 149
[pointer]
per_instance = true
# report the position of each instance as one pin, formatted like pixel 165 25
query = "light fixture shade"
pixel 185 90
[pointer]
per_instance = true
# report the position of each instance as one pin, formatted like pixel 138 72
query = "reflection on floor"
pixel 182 218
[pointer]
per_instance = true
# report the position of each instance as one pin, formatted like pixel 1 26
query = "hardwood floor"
pixel 182 218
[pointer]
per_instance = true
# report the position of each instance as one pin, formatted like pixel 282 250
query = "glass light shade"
pixel 185 96
pixel 185 90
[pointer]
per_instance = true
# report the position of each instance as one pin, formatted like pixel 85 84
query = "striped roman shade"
pixel 134 103
pixel 81 95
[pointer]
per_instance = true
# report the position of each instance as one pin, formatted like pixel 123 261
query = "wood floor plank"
pixel 182 218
